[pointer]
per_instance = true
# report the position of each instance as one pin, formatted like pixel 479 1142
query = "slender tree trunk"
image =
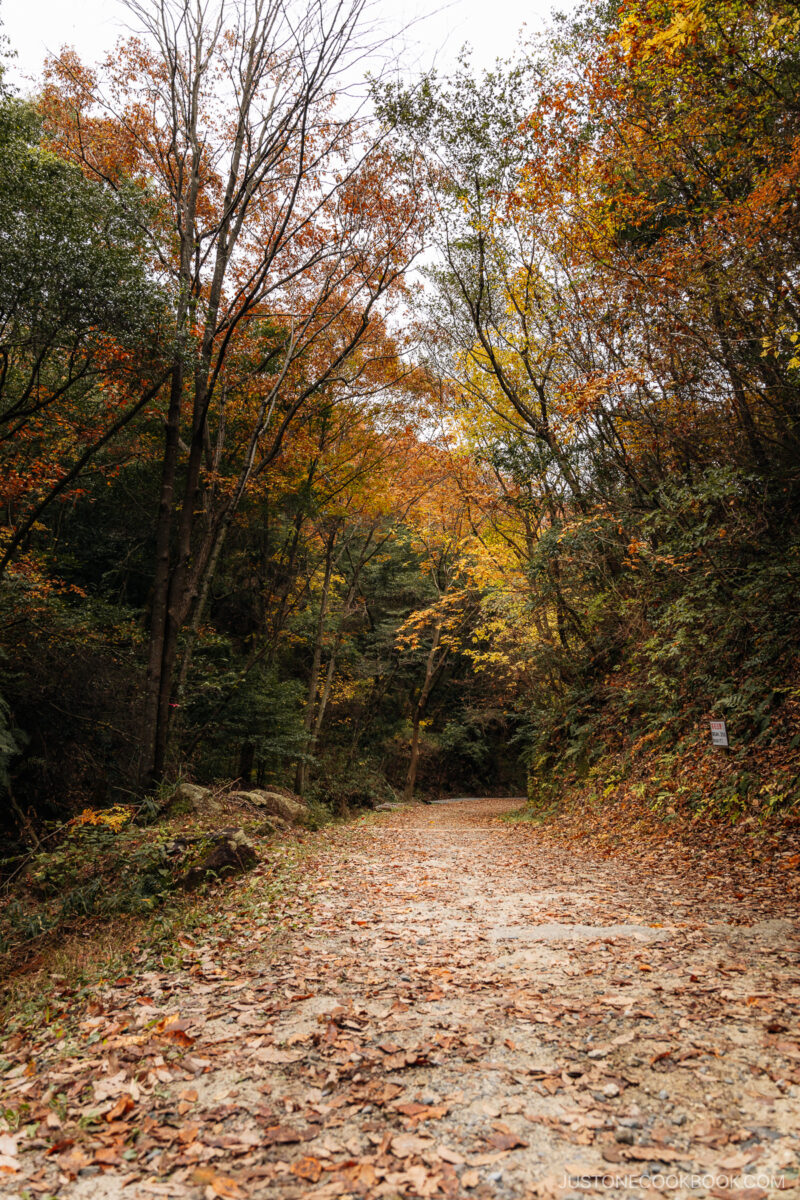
pixel 331 665
pixel 419 712
pixel 301 772
pixel 161 580
pixel 179 586
pixel 247 757
pixel 326 694
pixel 411 776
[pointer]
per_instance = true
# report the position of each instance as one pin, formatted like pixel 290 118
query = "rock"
pixel 291 810
pixel 191 798
pixel 227 852
pixel 271 826
pixel 180 845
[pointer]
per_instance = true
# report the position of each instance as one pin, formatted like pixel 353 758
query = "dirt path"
pixel 470 1011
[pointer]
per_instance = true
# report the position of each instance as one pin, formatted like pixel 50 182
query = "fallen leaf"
pixel 179 1036
pixel 111 1085
pixel 654 1154
pixel 406 1144
pixel 108 1156
pixel 73 1160
pixel 423 1112
pixel 216 1184
pixel 411 1110
pixel 307 1168
pixel 123 1105
pixel 283 1135
pixel 505 1141
pixel 271 1054
pixel 60 1147
pixel 450 1156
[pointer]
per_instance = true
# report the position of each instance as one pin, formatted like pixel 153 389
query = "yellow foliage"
pixel 114 818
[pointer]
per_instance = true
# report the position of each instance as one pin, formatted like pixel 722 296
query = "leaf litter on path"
pixel 414 1036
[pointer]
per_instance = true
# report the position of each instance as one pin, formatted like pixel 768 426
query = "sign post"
pixel 719 734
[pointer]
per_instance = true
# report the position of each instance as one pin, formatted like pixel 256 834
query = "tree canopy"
pixel 284 501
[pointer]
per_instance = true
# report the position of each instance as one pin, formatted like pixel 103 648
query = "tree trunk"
pixel 149 773
pixel 331 665
pixel 301 772
pixel 326 694
pixel 411 776
pixel 431 670
pixel 247 756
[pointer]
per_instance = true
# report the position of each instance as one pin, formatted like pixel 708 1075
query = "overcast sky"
pixel 38 27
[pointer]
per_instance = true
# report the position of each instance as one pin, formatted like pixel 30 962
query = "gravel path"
pixel 465 1009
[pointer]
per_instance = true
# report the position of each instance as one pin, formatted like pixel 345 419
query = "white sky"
pixel 38 27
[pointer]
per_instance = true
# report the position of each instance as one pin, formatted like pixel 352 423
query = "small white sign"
pixel 719 733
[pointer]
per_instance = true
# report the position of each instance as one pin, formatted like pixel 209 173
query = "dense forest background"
pixel 441 438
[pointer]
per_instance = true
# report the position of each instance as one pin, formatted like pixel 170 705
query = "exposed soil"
pixel 467 1008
